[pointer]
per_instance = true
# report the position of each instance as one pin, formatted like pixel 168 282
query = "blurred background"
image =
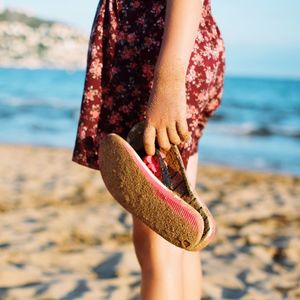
pixel 257 127
pixel 249 160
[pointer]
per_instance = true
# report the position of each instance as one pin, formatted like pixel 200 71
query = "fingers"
pixel 165 136
pixel 163 139
pixel 182 129
pixel 149 139
pixel 173 135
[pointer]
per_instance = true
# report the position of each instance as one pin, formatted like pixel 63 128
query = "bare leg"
pixel 161 264
pixel 192 271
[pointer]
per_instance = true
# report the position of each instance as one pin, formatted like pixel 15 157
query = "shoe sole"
pixel 140 192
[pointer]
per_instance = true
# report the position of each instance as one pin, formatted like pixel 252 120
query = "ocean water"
pixel 256 127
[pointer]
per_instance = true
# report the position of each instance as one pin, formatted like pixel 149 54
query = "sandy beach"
pixel 64 237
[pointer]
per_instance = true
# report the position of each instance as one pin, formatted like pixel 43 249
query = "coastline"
pixel 61 229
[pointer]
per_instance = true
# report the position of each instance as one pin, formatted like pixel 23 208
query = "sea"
pixel 257 126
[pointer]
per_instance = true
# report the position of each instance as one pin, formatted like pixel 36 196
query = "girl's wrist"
pixel 170 72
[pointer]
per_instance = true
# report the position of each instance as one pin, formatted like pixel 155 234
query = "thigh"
pixel 152 250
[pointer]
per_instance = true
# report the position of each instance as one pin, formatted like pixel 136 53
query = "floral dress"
pixel 124 44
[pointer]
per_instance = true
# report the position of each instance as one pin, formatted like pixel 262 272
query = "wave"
pixel 269 131
pixel 258 130
pixel 38 103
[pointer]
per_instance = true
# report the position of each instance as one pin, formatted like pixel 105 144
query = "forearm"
pixel 181 25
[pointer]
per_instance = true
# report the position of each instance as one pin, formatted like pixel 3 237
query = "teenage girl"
pixel 163 62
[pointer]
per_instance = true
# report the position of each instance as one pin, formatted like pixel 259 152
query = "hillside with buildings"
pixel 30 42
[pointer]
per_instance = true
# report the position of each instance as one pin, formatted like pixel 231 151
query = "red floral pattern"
pixel 124 44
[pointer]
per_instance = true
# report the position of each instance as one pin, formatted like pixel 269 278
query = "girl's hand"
pixel 166 113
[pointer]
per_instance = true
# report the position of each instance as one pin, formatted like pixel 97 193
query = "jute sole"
pixel 140 192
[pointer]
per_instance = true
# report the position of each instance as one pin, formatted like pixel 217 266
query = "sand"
pixel 64 237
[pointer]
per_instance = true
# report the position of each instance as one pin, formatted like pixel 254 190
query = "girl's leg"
pixel 160 262
pixel 191 269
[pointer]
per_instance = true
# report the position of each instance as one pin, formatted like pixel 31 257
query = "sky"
pixel 261 37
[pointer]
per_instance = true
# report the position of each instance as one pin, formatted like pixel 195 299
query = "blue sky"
pixel 261 37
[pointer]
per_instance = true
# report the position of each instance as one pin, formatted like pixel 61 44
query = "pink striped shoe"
pixel 155 189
